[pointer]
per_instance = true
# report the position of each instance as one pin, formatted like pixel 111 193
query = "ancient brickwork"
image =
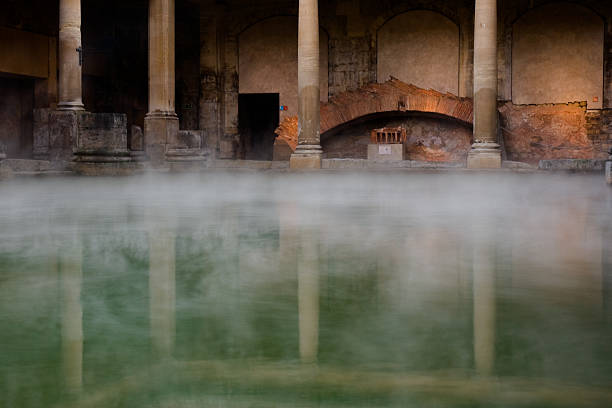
pixel 555 131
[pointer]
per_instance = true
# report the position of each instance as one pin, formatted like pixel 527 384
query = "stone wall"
pixel 557 56
pixel 556 131
pixel 268 61
pixel 422 48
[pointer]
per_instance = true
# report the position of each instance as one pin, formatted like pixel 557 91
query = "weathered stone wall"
pixel 556 131
pixel 557 56
pixel 268 61
pixel 422 48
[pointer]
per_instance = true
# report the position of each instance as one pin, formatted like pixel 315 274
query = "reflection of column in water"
pixel 308 297
pixel 162 291
pixel 70 264
pixel 606 265
pixel 484 307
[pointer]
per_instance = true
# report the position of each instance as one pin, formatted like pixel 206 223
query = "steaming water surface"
pixel 368 290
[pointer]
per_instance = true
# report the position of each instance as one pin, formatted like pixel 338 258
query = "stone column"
pixel 308 153
pixel 486 152
pixel 70 56
pixel 161 123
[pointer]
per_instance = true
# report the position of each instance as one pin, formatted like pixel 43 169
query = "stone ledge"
pixel 573 165
pixel 25 165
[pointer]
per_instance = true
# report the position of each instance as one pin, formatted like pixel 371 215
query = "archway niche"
pixel 421 48
pixel 557 56
pixel 431 136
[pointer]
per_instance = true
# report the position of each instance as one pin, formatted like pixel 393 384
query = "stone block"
pixel 159 129
pixel 305 162
pixel 609 172
pixel 137 139
pixel 186 139
pixel 281 150
pixel 386 152
pixel 484 160
pixel 102 133
pixel 40 148
pixel 63 131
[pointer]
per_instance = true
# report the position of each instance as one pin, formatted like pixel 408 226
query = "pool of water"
pixel 313 290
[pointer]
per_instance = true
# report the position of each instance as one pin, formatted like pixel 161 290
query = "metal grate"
pixel 388 136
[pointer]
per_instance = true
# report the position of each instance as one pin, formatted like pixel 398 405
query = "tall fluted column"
pixel 161 123
pixel 308 153
pixel 486 152
pixel 70 56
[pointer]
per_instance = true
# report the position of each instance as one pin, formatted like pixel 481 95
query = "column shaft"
pixel 70 51
pixel 308 152
pixel 485 152
pixel 161 123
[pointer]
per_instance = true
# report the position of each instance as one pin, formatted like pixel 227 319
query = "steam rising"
pixel 238 285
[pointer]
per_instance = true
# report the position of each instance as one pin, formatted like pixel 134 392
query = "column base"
pixel 484 156
pixel 159 129
pixel 70 106
pixel 609 172
pixel 306 157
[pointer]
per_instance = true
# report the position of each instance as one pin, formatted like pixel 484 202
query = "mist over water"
pixel 308 290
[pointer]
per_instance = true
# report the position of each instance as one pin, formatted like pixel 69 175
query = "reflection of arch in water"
pixel 558 56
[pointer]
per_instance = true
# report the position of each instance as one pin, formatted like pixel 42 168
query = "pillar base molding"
pixel 159 129
pixel 70 106
pixel 306 157
pixel 484 156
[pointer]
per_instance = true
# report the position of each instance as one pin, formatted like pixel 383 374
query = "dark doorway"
pixel 258 117
pixel 17 116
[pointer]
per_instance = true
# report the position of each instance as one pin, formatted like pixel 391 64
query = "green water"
pixel 326 290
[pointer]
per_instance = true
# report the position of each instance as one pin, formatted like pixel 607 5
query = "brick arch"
pixel 391 96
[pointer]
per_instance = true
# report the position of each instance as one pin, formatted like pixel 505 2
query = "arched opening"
pixel 268 80
pixel 557 56
pixel 431 136
pixel 421 48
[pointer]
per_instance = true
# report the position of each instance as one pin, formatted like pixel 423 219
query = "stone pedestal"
pixel 159 130
pixel 484 156
pixel 386 152
pixel 306 157
pixel 101 138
